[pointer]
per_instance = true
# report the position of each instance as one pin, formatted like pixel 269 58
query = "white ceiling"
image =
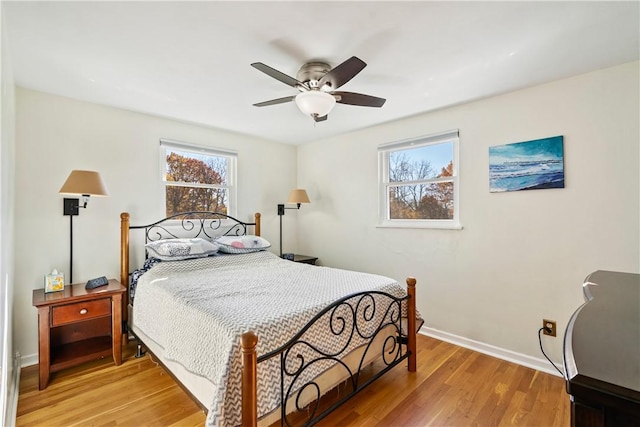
pixel 191 61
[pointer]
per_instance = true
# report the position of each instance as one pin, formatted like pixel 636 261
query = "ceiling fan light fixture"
pixel 315 102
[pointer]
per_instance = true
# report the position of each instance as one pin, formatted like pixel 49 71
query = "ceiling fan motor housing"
pixel 311 72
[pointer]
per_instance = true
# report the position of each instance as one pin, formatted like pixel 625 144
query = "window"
pixel 419 182
pixel 197 178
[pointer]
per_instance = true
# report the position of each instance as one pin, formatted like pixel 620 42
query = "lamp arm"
pixel 282 207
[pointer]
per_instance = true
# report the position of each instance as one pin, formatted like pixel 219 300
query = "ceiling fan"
pixel 317 83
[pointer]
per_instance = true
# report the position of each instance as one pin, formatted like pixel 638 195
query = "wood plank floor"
pixel 454 386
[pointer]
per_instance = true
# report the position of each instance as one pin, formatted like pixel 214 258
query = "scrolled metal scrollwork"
pixel 297 388
pixel 357 320
pixel 393 351
pixel 300 406
pixel 195 224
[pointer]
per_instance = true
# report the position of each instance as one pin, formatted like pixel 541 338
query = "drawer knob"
pixel 83 311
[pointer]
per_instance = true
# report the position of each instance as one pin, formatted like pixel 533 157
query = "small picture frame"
pixel 54 282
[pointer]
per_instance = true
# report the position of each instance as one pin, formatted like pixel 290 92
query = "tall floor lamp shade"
pixel 297 196
pixel 86 183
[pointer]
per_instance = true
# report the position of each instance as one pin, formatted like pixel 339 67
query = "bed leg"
pixel 249 379
pixel 139 352
pixel 411 324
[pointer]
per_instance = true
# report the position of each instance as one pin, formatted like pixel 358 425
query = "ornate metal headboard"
pixel 206 225
pixel 187 224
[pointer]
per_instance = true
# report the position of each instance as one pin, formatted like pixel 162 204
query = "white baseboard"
pixel 501 353
pixel 29 360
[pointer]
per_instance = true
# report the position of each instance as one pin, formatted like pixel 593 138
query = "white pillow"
pixel 178 249
pixel 241 244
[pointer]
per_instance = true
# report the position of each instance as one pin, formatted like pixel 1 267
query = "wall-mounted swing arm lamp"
pixel 86 183
pixel 297 196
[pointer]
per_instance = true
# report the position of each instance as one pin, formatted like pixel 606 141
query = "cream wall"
pixel 55 135
pixel 521 256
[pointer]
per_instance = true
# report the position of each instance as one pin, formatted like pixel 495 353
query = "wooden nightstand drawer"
pixel 80 311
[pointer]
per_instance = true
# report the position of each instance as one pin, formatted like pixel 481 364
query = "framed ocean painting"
pixel 529 165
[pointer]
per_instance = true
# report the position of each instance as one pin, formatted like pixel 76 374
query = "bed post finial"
pixel 249 341
pixel 411 324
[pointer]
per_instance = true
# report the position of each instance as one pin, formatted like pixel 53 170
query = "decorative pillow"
pixel 241 244
pixel 178 249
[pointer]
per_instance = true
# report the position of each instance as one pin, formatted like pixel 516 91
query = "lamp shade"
pixel 84 182
pixel 315 102
pixel 298 195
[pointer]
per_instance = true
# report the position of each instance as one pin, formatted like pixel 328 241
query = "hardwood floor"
pixel 454 386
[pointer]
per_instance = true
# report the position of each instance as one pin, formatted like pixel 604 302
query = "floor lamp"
pixel 297 196
pixel 86 183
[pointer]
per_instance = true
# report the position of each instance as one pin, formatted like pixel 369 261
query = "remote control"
pixel 96 283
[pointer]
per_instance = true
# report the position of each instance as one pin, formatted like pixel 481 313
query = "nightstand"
pixel 305 259
pixel 78 325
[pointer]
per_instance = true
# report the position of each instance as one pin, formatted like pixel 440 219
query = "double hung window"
pixel 198 178
pixel 418 182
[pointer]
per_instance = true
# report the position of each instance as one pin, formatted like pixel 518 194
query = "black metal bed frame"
pixel 361 316
pixel 353 317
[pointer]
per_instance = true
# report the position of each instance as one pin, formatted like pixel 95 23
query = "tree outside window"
pixel 196 180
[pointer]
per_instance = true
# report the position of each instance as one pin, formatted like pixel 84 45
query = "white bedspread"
pixel 197 310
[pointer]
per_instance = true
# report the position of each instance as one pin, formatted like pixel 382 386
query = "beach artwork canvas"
pixel 528 165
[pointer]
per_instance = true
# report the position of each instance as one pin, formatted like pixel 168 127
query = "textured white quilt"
pixel 197 310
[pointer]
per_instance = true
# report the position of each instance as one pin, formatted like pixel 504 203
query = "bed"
pixel 244 330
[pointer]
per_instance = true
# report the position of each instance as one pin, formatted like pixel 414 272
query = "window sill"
pixel 442 225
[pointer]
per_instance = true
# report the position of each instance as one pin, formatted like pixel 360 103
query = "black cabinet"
pixel 602 352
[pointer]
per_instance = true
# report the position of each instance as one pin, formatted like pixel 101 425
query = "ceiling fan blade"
pixel 359 99
pixel 275 101
pixel 342 73
pixel 320 119
pixel 272 72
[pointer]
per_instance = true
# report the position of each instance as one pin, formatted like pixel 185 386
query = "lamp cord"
pixel 545 354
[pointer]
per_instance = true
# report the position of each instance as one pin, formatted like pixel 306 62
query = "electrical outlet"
pixel 549 327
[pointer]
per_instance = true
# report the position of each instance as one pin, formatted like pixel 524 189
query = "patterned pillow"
pixel 179 249
pixel 241 244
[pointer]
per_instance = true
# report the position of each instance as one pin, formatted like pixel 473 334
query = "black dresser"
pixel 602 352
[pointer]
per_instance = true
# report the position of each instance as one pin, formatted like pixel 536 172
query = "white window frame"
pixel 232 157
pixel 384 151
